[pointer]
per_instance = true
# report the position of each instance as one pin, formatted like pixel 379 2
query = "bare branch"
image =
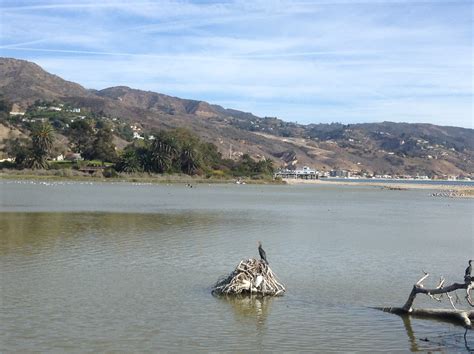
pixel 462 316
pixel 419 282
pixel 251 276
pixel 451 301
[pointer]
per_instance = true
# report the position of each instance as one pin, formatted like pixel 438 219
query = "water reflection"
pixel 250 308
pixel 30 232
pixel 96 267
pixel 466 343
pixel 411 335
pixel 438 342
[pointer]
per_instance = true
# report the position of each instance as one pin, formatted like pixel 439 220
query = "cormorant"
pixel 262 253
pixel 468 271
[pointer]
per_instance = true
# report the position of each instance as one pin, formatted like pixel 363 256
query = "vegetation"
pixel 18 149
pixel 102 147
pixel 91 138
pixel 80 135
pixel 42 138
pixel 397 149
pixel 5 107
pixel 34 152
pixel 180 151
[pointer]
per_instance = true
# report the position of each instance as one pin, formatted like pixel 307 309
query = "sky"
pixel 317 61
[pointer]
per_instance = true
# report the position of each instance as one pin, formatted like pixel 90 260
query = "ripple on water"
pixel 81 279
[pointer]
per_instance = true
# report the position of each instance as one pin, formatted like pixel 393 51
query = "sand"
pixel 465 190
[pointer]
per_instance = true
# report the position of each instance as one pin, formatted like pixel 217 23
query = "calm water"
pixel 124 267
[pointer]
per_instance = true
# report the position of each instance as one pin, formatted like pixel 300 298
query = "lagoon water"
pixel 128 267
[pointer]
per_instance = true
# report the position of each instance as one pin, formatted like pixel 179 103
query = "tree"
pixel 180 150
pixel 265 166
pixel 81 135
pixel 42 142
pixel 163 153
pixel 102 147
pixel 211 156
pixel 129 161
pixel 190 159
pixel 18 148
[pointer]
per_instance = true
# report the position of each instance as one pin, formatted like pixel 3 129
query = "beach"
pixel 461 190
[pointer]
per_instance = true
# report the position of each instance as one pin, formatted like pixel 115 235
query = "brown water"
pixel 128 267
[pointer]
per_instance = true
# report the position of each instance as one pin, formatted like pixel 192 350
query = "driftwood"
pixel 251 276
pixel 465 317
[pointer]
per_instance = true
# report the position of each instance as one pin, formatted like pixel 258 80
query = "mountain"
pixel 25 82
pixel 386 148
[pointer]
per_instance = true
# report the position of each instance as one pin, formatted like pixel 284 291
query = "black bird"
pixel 467 274
pixel 262 253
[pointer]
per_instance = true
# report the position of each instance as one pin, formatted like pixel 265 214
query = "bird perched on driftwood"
pixel 262 253
pixel 467 273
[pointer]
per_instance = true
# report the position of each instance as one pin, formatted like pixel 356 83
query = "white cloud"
pixel 344 60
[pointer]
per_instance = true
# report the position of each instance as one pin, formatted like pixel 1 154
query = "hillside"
pixel 385 148
pixel 24 82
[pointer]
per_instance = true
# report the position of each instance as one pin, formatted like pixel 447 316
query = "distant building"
pixel 17 113
pixel 72 156
pixel 304 173
pixel 339 173
pixel 137 136
pixel 16 110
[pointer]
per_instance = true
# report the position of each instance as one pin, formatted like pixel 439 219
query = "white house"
pixel 137 136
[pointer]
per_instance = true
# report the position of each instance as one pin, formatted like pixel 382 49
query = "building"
pixel 59 158
pixel 137 136
pixel 339 174
pixel 72 156
pixel 304 173
pixel 16 110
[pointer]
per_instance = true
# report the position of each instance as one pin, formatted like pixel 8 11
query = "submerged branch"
pixel 464 317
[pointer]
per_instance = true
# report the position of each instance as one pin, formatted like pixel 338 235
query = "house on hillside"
pixel 137 135
pixel 60 157
pixel 16 110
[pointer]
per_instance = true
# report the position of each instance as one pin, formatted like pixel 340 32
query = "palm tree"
pixel 42 141
pixel 190 160
pixel 129 162
pixel 163 153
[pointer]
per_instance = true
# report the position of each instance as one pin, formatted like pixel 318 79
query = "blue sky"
pixel 305 61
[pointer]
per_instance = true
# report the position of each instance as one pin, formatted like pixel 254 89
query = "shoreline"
pixel 467 191
pixel 463 191
pixel 152 179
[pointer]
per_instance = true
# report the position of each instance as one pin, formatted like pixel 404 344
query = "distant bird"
pixel 467 274
pixel 262 253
